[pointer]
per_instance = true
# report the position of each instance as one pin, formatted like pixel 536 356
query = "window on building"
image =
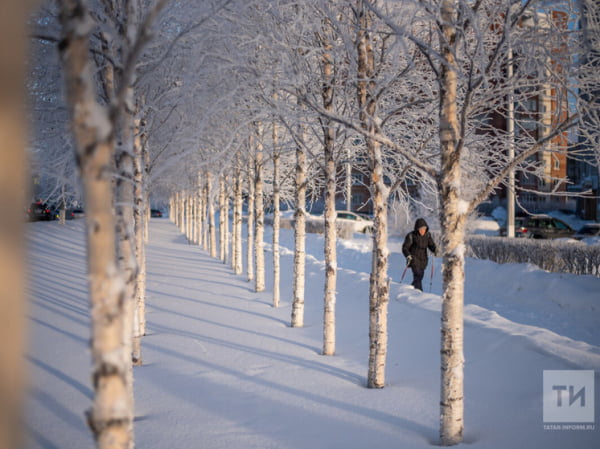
pixel 358 179
pixel 357 200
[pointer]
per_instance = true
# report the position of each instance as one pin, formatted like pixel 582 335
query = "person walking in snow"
pixel 415 248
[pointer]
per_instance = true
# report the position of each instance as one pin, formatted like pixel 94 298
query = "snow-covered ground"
pixel 223 369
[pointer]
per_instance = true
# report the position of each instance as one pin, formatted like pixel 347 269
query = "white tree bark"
pixel 127 258
pixel 13 20
pixel 259 285
pixel 174 209
pixel 194 214
pixel 222 220
pixel 109 418
pixel 299 237
pixel 276 218
pixel 204 215
pixel 329 213
pixel 250 217
pixel 145 156
pixel 212 231
pixel 452 222
pixel 187 214
pixel 140 219
pixel 233 221
pixel 379 281
pixel 237 221
pixel 180 201
pixel 197 213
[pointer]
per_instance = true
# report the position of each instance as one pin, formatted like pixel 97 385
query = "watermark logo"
pixel 568 397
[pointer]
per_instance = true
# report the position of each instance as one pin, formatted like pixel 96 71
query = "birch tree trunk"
pixel 233 221
pixel 94 137
pixel 204 215
pixel 212 232
pixel 452 227
pixel 174 212
pixel 145 157
pixel 259 285
pixel 299 237
pixel 250 260
pixel 276 219
pixel 222 220
pixel 237 221
pixel 196 213
pixel 199 213
pixel 188 214
pixel 179 201
pixel 13 53
pixel 379 281
pixel 140 218
pixel 195 210
pixel 329 213
pixel 126 240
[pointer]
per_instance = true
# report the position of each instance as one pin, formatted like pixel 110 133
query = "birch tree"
pixel 237 219
pixel 327 93
pixel 251 215
pixel 212 231
pixel 453 227
pixel 379 281
pixel 276 216
pixel 94 135
pixel 141 223
pixel 223 219
pixel 259 208
pixel 299 236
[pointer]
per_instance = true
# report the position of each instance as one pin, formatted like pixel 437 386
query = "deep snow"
pixel 223 369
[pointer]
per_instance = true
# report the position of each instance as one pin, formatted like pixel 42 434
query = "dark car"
pixel 588 230
pixel 540 227
pixel 39 211
pixel 155 213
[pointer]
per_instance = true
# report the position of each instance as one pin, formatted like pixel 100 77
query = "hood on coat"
pixel 420 223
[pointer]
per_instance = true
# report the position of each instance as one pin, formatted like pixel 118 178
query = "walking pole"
pixel 431 278
pixel 408 261
pixel 404 273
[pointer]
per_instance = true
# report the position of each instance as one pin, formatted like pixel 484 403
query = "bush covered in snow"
pixel 552 255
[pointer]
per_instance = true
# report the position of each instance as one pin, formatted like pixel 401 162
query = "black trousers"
pixel 418 274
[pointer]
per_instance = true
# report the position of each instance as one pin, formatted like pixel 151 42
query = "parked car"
pixel 155 213
pixel 39 211
pixel 588 230
pixel 78 212
pixel 358 222
pixel 540 227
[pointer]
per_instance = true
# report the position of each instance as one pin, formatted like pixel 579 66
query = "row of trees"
pixel 266 101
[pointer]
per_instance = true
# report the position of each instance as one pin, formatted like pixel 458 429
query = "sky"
pixel 223 368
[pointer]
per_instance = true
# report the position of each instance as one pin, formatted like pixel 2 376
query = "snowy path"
pixel 222 368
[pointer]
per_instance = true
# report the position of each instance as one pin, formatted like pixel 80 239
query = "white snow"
pixel 223 369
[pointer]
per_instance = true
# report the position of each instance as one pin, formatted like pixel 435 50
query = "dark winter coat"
pixel 416 245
